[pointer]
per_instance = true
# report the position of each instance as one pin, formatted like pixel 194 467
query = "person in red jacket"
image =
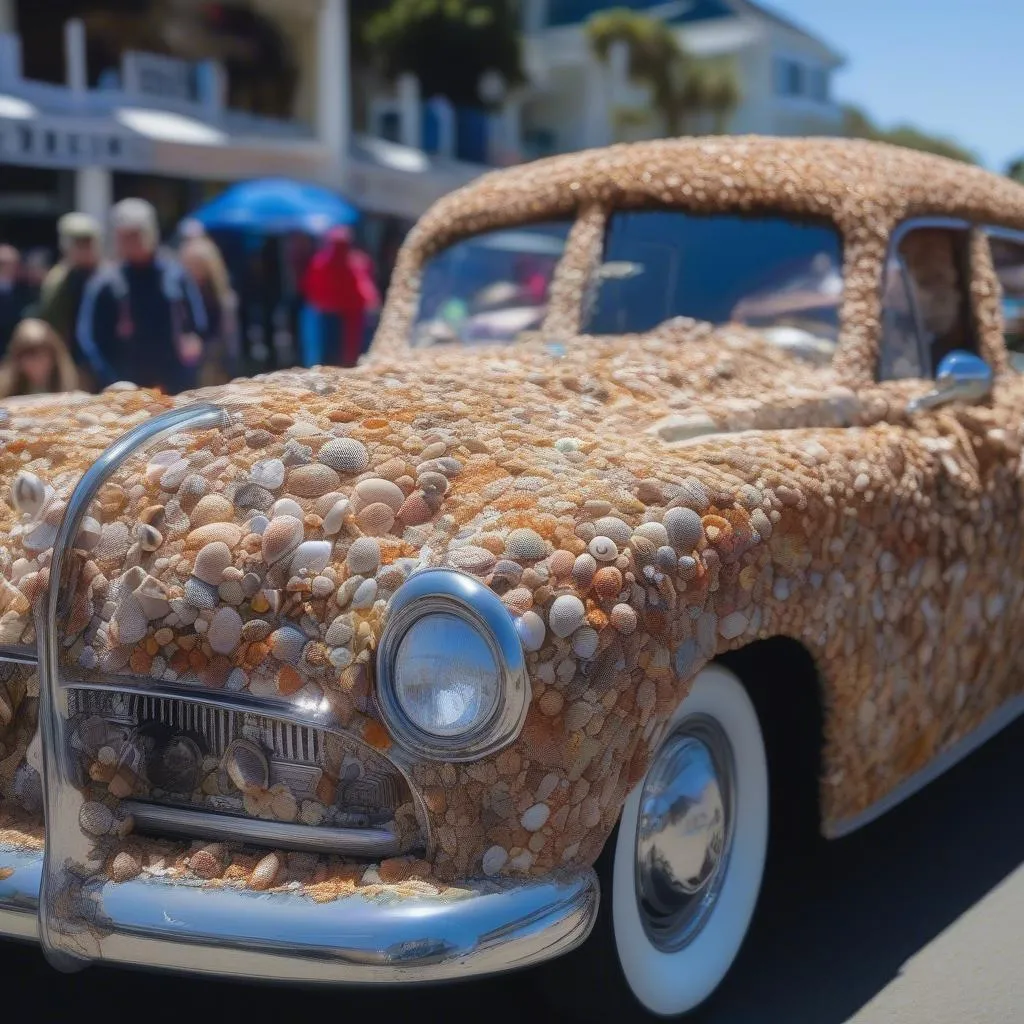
pixel 339 284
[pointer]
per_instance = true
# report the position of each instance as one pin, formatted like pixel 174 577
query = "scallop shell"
pixel 567 615
pixel 225 631
pixel 27 493
pixel 246 765
pixel 531 629
pixel 345 454
pixel 281 537
pixel 131 620
pixel 312 481
pixel 95 818
pixel 363 556
pixel 603 549
pixel 335 518
pixel 268 474
pixel 376 519
pixel 608 582
pixel 583 570
pixel 214 508
pixel 370 492
pixel 584 642
pixel 311 557
pixel 286 507
pixel 613 528
pixel 286 644
pixel 200 594
pixel 478 561
pixel 623 618
pixel 525 545
pixel 684 527
pixel 211 562
pixel 265 872
pixel 415 510
pixel 340 632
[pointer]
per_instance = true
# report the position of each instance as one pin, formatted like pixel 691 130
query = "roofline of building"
pixel 761 10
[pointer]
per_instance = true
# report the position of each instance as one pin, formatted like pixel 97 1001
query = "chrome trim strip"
pixel 992 725
pixel 232 932
pixel 354 842
pixel 18 655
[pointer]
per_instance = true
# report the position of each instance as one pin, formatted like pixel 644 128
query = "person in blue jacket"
pixel 142 318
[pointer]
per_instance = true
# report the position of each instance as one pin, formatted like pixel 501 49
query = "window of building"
pixel 779 274
pixel 1008 256
pixel 819 85
pixel 926 306
pixel 790 77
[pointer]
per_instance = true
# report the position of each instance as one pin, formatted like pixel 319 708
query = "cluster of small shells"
pixel 573 481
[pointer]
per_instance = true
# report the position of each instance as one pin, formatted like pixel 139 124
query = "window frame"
pixel 896 237
pixel 1008 235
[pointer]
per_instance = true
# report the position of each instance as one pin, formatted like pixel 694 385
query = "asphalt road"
pixel 917 919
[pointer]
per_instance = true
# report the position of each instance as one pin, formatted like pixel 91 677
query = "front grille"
pixel 184 765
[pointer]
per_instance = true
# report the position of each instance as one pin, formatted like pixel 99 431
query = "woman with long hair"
pixel 200 256
pixel 36 362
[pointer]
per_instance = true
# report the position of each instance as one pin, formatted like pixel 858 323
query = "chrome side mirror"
pixel 962 377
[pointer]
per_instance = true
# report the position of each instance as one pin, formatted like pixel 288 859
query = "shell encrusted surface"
pixel 263 556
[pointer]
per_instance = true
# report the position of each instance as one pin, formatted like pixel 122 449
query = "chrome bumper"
pixel 288 937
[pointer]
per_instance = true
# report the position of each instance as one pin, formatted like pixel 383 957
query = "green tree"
pixel 447 44
pixel 858 125
pixel 681 86
pixel 1016 170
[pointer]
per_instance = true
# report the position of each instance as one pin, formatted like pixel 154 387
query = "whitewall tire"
pixel 691 849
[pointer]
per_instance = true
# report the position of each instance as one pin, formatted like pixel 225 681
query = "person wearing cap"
pixel 142 318
pixel 64 286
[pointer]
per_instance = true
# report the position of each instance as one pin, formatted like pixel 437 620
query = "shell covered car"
pixel 665 457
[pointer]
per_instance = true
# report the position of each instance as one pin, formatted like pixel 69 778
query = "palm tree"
pixel 722 92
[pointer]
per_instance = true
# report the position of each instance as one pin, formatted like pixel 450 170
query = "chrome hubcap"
pixel 684 832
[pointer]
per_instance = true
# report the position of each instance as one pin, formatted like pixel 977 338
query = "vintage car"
pixel 350 676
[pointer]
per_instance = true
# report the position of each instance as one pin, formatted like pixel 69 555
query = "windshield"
pixel 490 287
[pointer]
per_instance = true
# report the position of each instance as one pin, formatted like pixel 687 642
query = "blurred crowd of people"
pixel 162 317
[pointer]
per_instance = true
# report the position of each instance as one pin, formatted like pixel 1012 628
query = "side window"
pixel 1008 257
pixel 926 309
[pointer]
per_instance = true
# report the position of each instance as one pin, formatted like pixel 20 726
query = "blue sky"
pixel 952 67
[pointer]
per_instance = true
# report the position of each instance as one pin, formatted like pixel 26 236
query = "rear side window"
pixel 1008 257
pixel 773 272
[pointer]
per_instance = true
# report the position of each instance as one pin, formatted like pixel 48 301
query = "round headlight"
pixel 451 676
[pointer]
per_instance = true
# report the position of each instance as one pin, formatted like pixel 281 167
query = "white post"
pixel 410 114
pixel 75 69
pixel 333 98
pixel 94 192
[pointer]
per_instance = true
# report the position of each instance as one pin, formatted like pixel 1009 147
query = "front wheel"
pixel 680 881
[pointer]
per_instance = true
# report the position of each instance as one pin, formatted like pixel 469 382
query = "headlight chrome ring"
pixel 491 643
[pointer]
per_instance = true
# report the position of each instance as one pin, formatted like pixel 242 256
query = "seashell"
pixel 654 532
pixel 95 818
pixel 335 518
pixel 286 644
pixel 175 768
pixel 345 454
pixel 256 629
pixel 525 545
pixel 363 556
pixel 561 563
pixel 246 766
pixel 613 528
pixel 494 860
pixel 603 549
pixel 415 510
pixel 551 703
pixel 370 492
pixel 40 537
pixel 268 474
pixel 567 615
pixel 252 497
pixel 207 862
pixel 211 561
pixel 225 631
pixel 531 629
pixel 506 573
pixel 192 488
pixel 623 618
pixel 265 872
pixel 281 538
pixel 534 818
pixel 311 557
pixel 131 621
pixel 596 507
pixel 200 594
pixel 312 481
pixel 693 494
pixel 665 559
pixel 124 867
pixel 608 582
pixel 391 577
pixel 583 570
pixel 213 508
pixel 88 534
pixel 584 642
pixel 174 476
pixel 152 597
pixel 376 519
pixel 226 533
pixel 365 595
pixel 434 484
pixel 27 493
pixel 478 561
pixel 684 527
pixel 520 599
pixel 643 549
pixel 340 632
pixel 155 515
pixel 286 507
pixel 149 537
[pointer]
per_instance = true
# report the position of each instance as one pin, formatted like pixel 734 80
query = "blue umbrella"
pixel 276 206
